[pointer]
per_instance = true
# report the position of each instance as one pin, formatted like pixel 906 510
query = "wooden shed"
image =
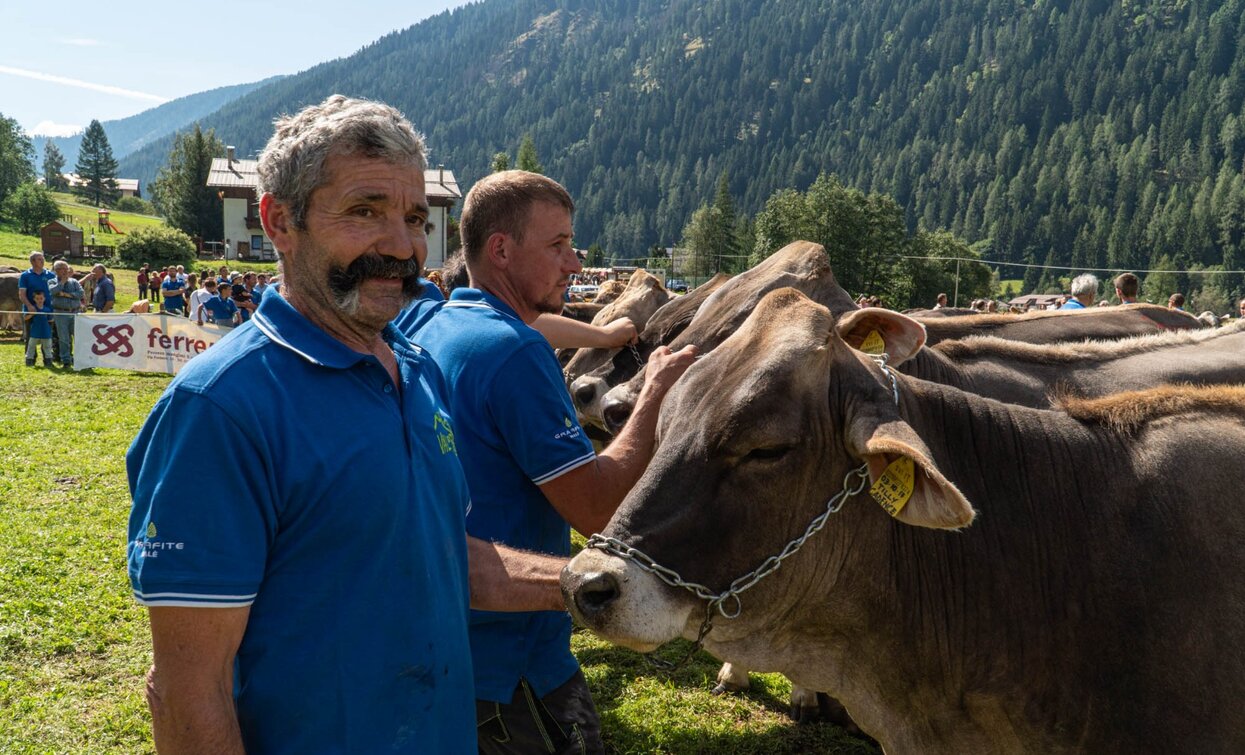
pixel 60 237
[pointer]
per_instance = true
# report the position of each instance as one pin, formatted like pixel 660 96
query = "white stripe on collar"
pixel 269 330
pixel 479 305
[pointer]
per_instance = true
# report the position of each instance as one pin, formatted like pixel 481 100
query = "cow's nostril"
pixel 583 394
pixel 615 414
pixel 596 592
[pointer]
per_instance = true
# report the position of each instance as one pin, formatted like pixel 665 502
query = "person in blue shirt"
pixel 1084 289
pixel 39 322
pixel 220 308
pixel 37 278
pixel 321 607
pixel 530 466
pixel 105 295
pixel 174 293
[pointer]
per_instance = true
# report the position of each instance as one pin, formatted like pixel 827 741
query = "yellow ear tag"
pixel 894 487
pixel 873 343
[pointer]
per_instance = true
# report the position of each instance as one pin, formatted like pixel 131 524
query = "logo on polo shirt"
pixel 445 433
pixel 149 547
pixel 571 431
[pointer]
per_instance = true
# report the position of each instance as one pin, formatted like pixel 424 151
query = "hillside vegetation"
pixel 1093 133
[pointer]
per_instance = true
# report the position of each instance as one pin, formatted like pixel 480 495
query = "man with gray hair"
pixel 67 295
pixel 1084 289
pixel 322 605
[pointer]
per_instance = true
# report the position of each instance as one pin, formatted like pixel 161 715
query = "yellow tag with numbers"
pixel 873 343
pixel 894 487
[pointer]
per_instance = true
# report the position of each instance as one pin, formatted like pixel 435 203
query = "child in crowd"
pixel 40 329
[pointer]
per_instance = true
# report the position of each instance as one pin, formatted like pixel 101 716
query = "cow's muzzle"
pixel 624 604
pixel 592 594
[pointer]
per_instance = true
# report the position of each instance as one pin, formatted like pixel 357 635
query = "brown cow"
pixel 1034 374
pixel 642 296
pixel 663 327
pixel 1091 608
pixel 802 265
pixel 1102 323
pixel 9 301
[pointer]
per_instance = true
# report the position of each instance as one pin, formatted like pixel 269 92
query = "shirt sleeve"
pixel 533 412
pixel 202 519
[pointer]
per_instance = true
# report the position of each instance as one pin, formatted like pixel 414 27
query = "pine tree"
pixel 527 159
pixel 96 168
pixel 181 189
pixel 501 161
pixel 53 167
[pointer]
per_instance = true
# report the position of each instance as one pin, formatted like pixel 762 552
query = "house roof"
pixel 63 224
pixel 439 183
pixel 123 184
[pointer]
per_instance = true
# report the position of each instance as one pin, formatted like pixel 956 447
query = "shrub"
pixel 135 205
pixel 161 246
pixel 32 207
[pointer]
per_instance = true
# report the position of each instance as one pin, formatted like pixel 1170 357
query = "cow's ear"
pixel 874 330
pixel 934 500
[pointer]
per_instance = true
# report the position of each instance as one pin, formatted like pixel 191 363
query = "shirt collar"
pixel 287 327
pixel 476 297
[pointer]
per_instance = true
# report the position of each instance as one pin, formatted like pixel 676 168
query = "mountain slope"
pixel 1092 133
pixel 128 135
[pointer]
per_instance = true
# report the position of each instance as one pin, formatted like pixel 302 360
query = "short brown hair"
pixel 1128 285
pixel 499 203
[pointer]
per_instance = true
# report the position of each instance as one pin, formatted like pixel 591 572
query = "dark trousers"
pixel 562 722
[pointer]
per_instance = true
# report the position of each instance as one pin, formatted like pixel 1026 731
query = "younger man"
pixel 173 290
pixel 221 308
pixel 39 323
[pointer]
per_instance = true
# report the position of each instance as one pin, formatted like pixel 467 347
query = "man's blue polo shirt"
pixel 516 429
pixel 416 314
pixel 173 302
pixel 32 282
pixel 343 532
pixel 1073 304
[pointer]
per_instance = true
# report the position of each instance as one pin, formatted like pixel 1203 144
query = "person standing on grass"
pixel 39 326
pixel 143 280
pixel 173 290
pixel 322 605
pixel 37 278
pixel 531 469
pixel 221 309
pixel 199 296
pixel 104 298
pixel 67 296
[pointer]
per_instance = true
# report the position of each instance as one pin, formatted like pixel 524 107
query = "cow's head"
pixel 644 294
pixel 801 265
pixel 753 441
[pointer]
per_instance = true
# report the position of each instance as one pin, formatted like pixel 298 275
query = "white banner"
pixel 143 343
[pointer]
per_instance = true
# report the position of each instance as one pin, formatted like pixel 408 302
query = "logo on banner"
pixel 109 340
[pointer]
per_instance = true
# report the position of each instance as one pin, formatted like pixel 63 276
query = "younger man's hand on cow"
pixel 664 369
pixel 620 332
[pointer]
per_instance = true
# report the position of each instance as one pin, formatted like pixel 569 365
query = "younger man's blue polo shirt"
pixel 173 302
pixel 343 533
pixel 32 282
pixel 515 429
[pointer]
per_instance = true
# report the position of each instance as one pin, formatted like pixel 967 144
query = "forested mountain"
pixel 128 135
pixel 1096 133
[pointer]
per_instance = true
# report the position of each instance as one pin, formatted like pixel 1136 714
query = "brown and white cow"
pixel 1094 605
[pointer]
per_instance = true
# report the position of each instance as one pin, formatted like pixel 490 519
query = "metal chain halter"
pixel 716 602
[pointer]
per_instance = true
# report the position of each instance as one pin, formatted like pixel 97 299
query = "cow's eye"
pixel 769 453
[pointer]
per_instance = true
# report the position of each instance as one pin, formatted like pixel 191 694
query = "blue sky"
pixel 66 63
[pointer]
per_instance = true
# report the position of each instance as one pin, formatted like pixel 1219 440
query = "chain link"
pixel 716 601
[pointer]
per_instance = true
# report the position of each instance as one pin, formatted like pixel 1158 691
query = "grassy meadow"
pixel 74 646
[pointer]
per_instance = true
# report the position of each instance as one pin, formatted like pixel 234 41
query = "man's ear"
pixel 875 330
pixel 278 222
pixel 497 250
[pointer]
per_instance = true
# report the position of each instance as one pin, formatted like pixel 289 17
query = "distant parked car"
pixel 583 292
pixel 677 285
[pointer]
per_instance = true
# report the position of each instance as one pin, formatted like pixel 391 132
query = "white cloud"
pixel 48 128
pixel 105 88
pixel 80 42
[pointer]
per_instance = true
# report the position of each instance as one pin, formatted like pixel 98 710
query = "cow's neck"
pixel 969 618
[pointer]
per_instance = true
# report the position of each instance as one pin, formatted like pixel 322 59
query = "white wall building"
pixel 237 182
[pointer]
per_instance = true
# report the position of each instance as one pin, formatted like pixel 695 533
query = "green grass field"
pixel 74 646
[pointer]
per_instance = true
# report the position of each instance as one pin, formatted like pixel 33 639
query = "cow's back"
pixel 1048 327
